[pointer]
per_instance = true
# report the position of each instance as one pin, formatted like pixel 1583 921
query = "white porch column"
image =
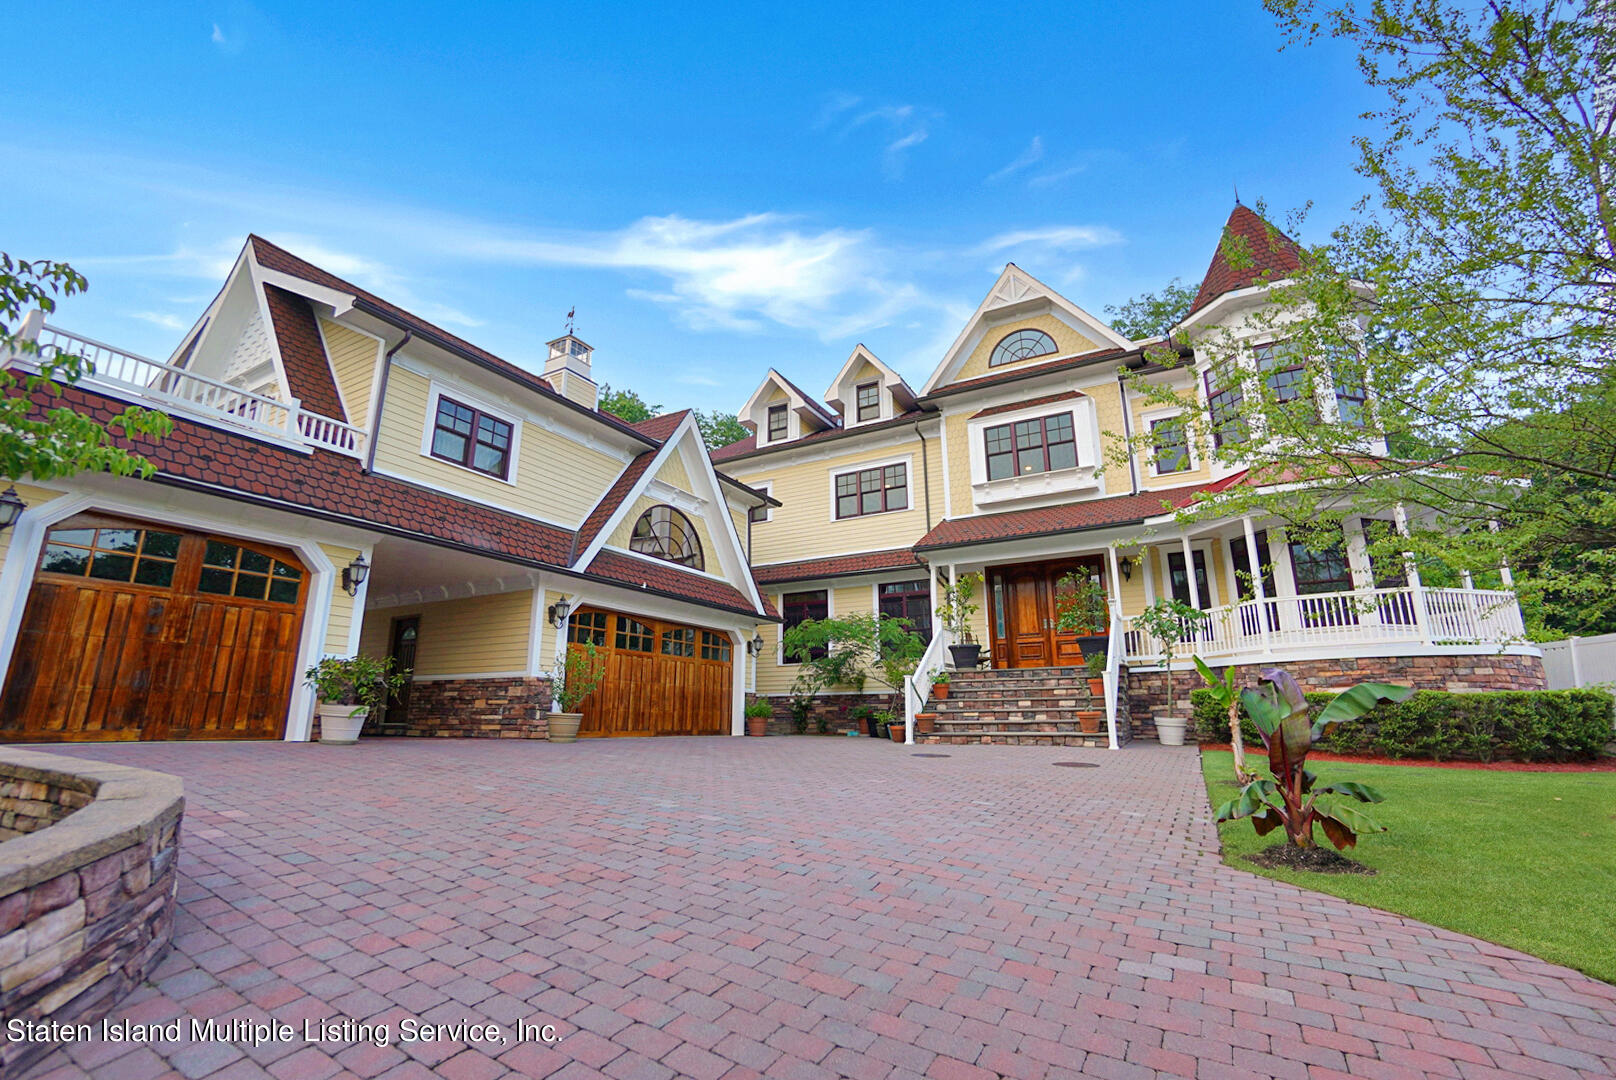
pixel 1258 589
pixel 738 665
pixel 1147 562
pixel 1189 570
pixel 1422 615
pixel 1115 575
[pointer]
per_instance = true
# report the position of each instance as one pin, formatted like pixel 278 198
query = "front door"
pixel 406 632
pixel 1024 602
pixel 1027 619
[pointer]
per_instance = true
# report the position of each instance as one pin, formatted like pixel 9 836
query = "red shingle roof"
pixel 1067 517
pixel 835 566
pixel 661 428
pixel 747 446
pixel 1266 255
pixel 1015 405
pixel 303 353
pixel 610 501
pixel 669 580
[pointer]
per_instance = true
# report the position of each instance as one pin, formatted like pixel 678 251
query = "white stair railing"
pixel 917 687
pixel 1113 675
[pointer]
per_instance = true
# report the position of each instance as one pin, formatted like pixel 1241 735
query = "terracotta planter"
pixel 340 724
pixel 925 723
pixel 896 731
pixel 939 691
pixel 563 726
pixel 1097 687
pixel 1090 724
pixel 757 726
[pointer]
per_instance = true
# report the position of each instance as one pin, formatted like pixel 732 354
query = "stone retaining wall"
pixel 29 805
pixel 834 709
pixel 1460 674
pixel 86 899
pixel 511 708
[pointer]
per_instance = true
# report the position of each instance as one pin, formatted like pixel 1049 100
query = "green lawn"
pixel 1524 859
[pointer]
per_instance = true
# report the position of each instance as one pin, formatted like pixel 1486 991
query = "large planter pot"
pixel 340 724
pixel 757 726
pixel 896 731
pixel 1097 687
pixel 1091 644
pixel 965 657
pixel 879 730
pixel 563 726
pixel 939 691
pixel 1089 721
pixel 1170 730
pixel 925 723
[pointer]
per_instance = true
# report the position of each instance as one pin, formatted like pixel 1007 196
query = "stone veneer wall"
pixel 510 708
pixel 29 805
pixel 1493 671
pixel 87 900
pixel 834 709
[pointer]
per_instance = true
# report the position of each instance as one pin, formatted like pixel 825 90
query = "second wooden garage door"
pixel 661 678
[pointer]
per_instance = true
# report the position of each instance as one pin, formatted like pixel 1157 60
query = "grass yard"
pixel 1524 859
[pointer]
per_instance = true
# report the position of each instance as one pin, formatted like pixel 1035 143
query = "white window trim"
pixel 436 390
pixel 883 402
pixel 1082 477
pixel 906 460
pixel 1150 418
pixel 767 487
pixel 896 579
pixel 780 627
pixel 1206 547
pixel 791 424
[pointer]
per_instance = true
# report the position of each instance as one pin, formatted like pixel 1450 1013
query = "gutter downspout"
pixel 925 473
pixel 381 398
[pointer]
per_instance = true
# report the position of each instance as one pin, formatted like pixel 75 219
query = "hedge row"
pixel 1535 725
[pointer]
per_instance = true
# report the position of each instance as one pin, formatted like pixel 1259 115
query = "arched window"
pixel 664 533
pixel 1021 345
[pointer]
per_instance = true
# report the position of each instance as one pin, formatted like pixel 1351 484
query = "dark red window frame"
pixel 799 607
pixel 908 600
pixel 889 484
pixel 1170 442
pixel 778 431
pixel 481 430
pixel 1041 442
pixel 868 397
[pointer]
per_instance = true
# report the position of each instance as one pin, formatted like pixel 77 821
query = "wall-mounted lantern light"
pixel 11 508
pixel 755 646
pixel 558 612
pixel 354 575
pixel 1125 564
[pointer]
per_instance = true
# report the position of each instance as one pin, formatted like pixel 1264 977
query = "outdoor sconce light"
pixel 755 646
pixel 11 508
pixel 354 575
pixel 1125 564
pixel 558 612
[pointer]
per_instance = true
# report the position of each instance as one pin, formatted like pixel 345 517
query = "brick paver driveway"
pixel 795 908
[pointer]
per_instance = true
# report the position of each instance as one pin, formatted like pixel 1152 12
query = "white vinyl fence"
pixel 1580 661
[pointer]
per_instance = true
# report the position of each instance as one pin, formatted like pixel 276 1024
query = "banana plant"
pixel 1293 797
pixel 1226 691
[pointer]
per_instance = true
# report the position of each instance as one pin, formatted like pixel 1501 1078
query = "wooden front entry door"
pixel 406 631
pixel 137 631
pixel 1023 613
pixel 661 678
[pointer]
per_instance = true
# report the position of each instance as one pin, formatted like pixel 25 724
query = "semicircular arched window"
pixel 665 533
pixel 1021 345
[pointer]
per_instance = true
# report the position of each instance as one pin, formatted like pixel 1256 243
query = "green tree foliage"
pixel 849 651
pixel 1470 295
pixel 626 405
pixel 1152 314
pixel 719 428
pixel 62 442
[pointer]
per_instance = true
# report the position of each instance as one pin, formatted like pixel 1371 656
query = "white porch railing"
pixel 917 687
pixel 1329 620
pixel 173 389
pixel 1113 677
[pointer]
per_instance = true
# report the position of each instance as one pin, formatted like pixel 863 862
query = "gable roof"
pixel 899 387
pixel 303 353
pixel 1269 253
pixel 659 428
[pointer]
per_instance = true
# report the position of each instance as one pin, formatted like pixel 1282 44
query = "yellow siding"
pixel 556 478
pixel 805 526
pixel 474 635
pixel 672 471
pixel 342 605
pixel 778 396
pixel 1202 456
pixel 738 515
pixel 956 424
pixel 1067 341
pixel 353 361
pixel 34 497
pixel 866 372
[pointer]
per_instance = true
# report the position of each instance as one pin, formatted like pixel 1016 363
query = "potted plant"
pixel 892 722
pixel 348 687
pixel 575 678
pixel 925 723
pixel 878 723
pixel 861 716
pixel 1094 664
pixel 758 714
pixel 1171 622
pixel 955 606
pixel 939 686
pixel 1081 608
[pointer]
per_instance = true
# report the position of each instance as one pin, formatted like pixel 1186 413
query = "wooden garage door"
pixel 661 678
pixel 138 631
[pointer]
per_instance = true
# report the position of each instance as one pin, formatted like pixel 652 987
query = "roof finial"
pixel 1237 201
pixel 570 313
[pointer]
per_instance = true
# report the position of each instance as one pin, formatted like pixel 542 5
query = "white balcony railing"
pixel 1333 620
pixel 171 389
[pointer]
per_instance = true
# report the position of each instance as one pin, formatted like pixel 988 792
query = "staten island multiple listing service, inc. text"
pixel 246 1033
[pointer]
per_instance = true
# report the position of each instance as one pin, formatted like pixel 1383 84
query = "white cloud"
pixel 1030 156
pixel 218 35
pixel 162 319
pixel 906 127
pixel 1053 238
pixel 1050 179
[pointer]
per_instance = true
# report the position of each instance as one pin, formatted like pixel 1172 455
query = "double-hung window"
pixel 908 600
pixel 470 437
pixel 1170 444
pixel 1351 399
pixel 869 401
pixel 1024 447
pixel 872 491
pixel 777 423
pixel 797 608
pixel 1284 375
pixel 1223 398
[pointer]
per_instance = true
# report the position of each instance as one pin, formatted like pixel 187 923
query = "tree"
pixel 720 428
pixel 1152 314
pixel 626 405
pixel 1463 317
pixel 62 442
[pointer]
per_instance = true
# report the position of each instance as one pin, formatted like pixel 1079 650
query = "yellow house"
pixel 1031 454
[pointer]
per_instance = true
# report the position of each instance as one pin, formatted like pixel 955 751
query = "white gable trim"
pixel 1014 290
pixel 340 302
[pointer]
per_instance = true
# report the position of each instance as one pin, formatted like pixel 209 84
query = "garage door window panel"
pixel 715 647
pixel 587 628
pixel 233 570
pixel 679 641
pixel 140 556
pixel 633 635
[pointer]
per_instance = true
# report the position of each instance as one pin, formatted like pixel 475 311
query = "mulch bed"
pixel 1317 860
pixel 1604 764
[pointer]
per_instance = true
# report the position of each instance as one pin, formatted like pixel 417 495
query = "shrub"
pixel 1510 725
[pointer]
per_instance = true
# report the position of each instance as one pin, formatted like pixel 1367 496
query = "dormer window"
pixel 1021 345
pixel 869 402
pixel 777 423
pixel 469 437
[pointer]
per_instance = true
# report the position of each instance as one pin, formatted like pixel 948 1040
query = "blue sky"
pixel 717 192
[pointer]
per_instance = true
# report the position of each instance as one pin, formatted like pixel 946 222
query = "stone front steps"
pixel 1021 707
